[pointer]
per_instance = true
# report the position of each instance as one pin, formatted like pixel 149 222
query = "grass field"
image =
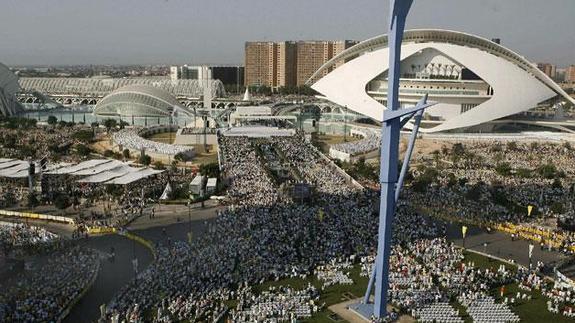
pixel 533 311
pixel 324 141
pixel 165 137
pixel 201 156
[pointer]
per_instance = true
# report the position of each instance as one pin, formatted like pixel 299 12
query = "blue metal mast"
pixel 394 119
pixel 389 155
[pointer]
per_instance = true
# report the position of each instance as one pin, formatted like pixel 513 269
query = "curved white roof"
pixel 103 86
pixel 518 85
pixel 444 36
pixel 137 100
pixel 8 80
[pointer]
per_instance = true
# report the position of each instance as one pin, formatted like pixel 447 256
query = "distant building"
pixel 229 75
pixel 570 74
pixel 472 80
pixel 549 69
pixel 289 63
pixel 311 55
pixel 270 64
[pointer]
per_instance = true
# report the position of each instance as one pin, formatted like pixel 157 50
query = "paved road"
pixel 115 274
pixel 500 245
pixel 112 276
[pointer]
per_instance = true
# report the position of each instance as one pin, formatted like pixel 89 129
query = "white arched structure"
pixel 474 80
pixel 9 86
pixel 138 101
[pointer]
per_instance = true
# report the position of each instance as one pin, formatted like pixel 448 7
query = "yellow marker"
pixel 529 210
pixel 463 231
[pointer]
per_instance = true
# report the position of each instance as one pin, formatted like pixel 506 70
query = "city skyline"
pixel 66 32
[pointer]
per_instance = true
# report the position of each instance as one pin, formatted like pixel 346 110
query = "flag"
pixel 167 192
pixel 529 210
pixel 531 246
pixel 463 231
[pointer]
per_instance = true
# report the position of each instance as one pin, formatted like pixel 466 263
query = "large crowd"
pixel 370 141
pixel 130 139
pixel 37 142
pixel 264 236
pixel 44 293
pixel 22 236
pixel 261 236
pixel 488 183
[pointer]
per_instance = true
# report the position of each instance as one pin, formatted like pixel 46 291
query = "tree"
pixel 84 135
pixel 126 153
pixel 52 120
pixel 547 171
pixel 145 160
pixel 451 180
pixel 557 208
pixel 422 182
pixel 159 165
pixel 557 184
pixel 210 169
pixel 512 146
pixel 9 141
pixel 181 157
pixel 110 123
pixel 83 150
pixel 474 193
pixel 32 200
pixel 503 169
pixel 62 201
pixel 524 173
pixel 458 149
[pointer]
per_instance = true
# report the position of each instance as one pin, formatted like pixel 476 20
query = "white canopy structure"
pixel 105 171
pixel 472 79
pixel 132 177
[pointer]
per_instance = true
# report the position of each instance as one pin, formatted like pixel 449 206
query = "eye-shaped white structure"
pixel 474 80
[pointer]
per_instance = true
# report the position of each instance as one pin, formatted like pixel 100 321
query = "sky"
pixel 67 32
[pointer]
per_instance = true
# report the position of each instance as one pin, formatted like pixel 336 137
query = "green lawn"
pixel 534 311
pixel 485 262
pixel 164 137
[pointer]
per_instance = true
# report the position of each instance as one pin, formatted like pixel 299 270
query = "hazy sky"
pixel 214 31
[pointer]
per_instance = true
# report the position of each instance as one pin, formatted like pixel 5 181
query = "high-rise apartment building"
pixel 311 55
pixel 270 64
pixel 229 75
pixel 570 74
pixel 549 69
pixel 287 64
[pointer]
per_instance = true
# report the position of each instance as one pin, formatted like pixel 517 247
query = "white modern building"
pixel 8 88
pixel 473 80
